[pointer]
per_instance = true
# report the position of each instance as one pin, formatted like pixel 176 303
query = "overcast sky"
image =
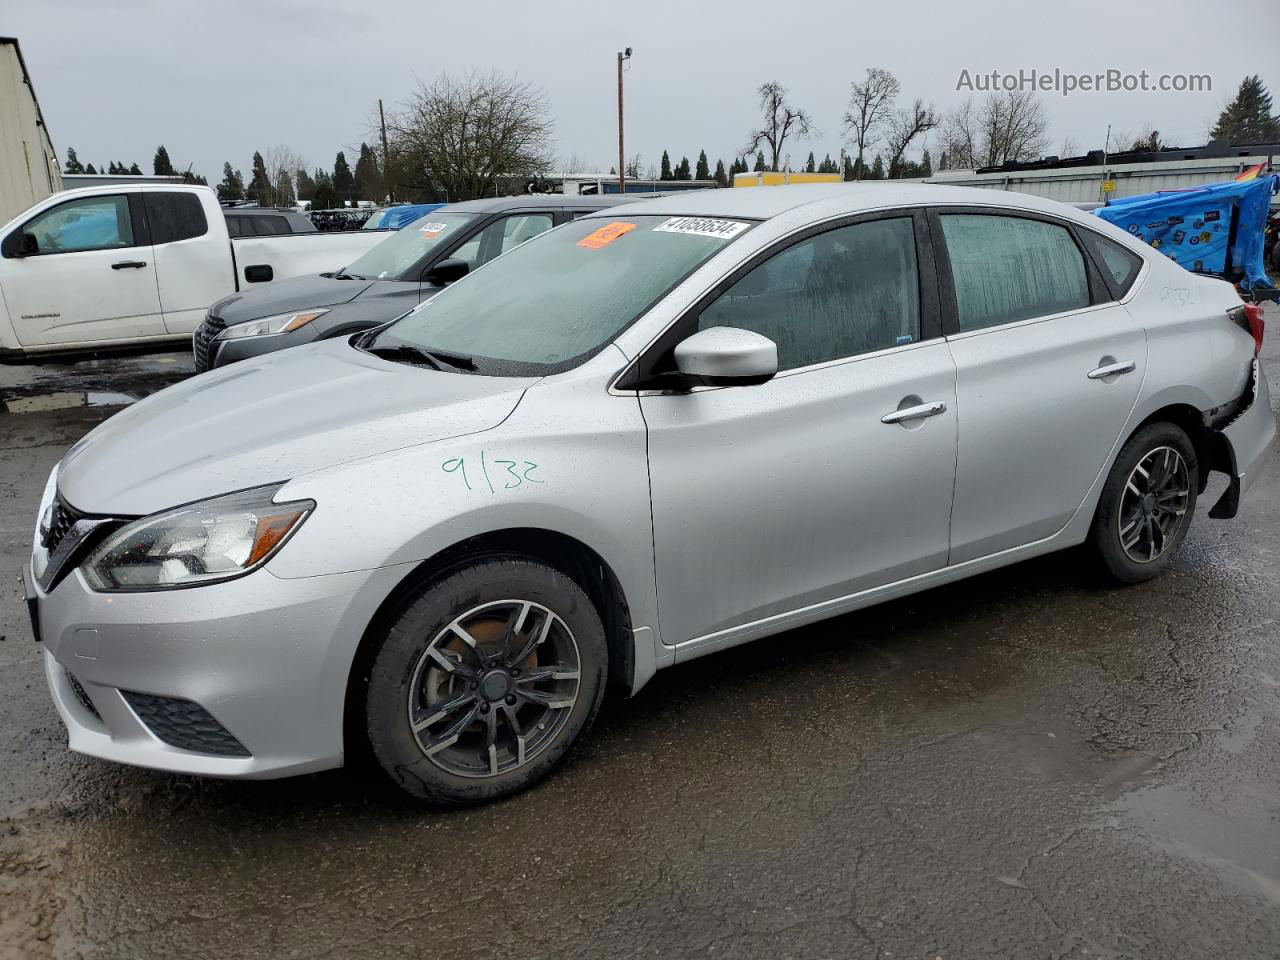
pixel 215 80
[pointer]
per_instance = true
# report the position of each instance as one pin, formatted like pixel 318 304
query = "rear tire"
pixel 484 681
pixel 1147 503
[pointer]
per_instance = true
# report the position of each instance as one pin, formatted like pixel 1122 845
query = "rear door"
pixel 92 277
pixel 1048 371
pixel 193 264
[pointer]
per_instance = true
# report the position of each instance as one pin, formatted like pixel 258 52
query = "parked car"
pixel 406 268
pixel 643 437
pixel 393 218
pixel 266 221
pixel 123 264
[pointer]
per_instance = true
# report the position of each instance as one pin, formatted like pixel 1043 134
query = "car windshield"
pixel 557 299
pixel 400 251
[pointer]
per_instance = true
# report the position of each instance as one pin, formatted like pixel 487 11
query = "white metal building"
pixel 28 165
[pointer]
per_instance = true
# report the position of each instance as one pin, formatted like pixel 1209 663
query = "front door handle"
pixel 1112 370
pixel 129 265
pixel 915 413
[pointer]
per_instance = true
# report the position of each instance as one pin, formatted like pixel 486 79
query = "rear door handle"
pixel 1112 370
pixel 129 265
pixel 915 413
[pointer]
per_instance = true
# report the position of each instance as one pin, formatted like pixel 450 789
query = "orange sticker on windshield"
pixel 606 235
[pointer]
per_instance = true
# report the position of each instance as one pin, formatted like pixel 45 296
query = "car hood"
pixel 296 293
pixel 272 419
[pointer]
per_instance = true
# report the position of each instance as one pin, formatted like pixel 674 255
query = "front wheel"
pixel 1147 503
pixel 484 681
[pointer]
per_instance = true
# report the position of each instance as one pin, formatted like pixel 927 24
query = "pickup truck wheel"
pixel 1147 503
pixel 484 681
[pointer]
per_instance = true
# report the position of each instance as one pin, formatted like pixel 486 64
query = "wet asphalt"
pixel 1029 764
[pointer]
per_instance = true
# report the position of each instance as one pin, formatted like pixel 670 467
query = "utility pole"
pixel 386 170
pixel 622 170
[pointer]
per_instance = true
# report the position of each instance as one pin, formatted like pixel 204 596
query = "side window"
pixel 502 235
pixel 265 225
pixel 174 216
pixel 1120 265
pixel 235 226
pixel 1010 268
pixel 848 291
pixel 89 223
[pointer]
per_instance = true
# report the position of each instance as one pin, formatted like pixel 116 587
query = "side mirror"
pixel 259 273
pixel 447 271
pixel 726 356
pixel 20 244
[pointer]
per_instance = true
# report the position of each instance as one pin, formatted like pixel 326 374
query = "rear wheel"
pixel 485 681
pixel 1147 503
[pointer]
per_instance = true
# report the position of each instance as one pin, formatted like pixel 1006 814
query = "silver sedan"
pixel 642 437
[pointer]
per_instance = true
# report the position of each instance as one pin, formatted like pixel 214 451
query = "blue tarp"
pixel 1205 228
pixel 393 218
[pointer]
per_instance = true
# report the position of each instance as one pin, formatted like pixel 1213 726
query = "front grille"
pixel 184 724
pixel 83 697
pixel 202 340
pixel 62 517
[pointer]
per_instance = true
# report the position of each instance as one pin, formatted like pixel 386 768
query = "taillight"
pixel 1249 317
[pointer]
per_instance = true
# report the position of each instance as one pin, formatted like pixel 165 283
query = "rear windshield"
pixel 404 248
pixel 552 302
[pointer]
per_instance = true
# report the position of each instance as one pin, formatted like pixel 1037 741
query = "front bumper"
pixel 262 661
pixel 212 351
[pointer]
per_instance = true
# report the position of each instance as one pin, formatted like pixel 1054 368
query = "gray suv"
pixel 410 266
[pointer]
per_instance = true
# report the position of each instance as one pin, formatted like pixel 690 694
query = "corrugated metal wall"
pixel 28 167
pixel 1083 184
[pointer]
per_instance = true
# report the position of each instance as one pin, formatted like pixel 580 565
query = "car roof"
pixel 762 203
pixel 526 201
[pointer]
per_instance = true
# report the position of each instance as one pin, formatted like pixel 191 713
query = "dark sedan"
pixel 410 266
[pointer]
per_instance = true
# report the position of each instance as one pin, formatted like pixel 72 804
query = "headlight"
pixel 269 326
pixel 200 543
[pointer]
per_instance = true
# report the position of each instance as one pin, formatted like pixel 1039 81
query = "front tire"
pixel 484 681
pixel 1147 503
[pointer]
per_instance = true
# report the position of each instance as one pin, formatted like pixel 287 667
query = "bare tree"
pixel 465 134
pixel 1068 147
pixel 870 104
pixel 576 163
pixel 781 120
pixel 281 162
pixel 1014 128
pixel 634 167
pixel 959 132
pixel 907 124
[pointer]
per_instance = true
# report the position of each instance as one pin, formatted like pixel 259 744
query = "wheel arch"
pixel 1212 452
pixel 572 557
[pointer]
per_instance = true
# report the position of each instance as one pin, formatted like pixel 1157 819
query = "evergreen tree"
pixel 665 172
pixel 368 176
pixel 73 162
pixel 260 184
pixel 284 195
pixel 134 170
pixel 1248 118
pixel 702 171
pixel 89 169
pixel 323 196
pixel 760 164
pixel 926 165
pixel 848 172
pixel 682 170
pixel 344 184
pixel 722 179
pixel 112 168
pixel 811 166
pixel 306 187
pixel 232 186
pixel 160 165
pixel 877 169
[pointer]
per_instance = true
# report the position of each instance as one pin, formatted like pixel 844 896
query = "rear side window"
pixel 234 225
pixel 270 226
pixel 1007 269
pixel 1120 266
pixel 174 216
pixel 847 291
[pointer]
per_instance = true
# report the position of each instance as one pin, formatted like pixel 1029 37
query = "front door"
pixel 91 277
pixel 831 478
pixel 1048 371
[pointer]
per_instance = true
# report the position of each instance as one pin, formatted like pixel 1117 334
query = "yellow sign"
pixel 1108 186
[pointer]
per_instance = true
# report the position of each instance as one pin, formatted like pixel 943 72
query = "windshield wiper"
pixel 411 354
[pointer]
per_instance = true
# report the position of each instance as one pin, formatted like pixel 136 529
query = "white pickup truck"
pixel 118 265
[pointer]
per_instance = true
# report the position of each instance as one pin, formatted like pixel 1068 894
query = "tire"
pixel 1161 509
pixel 515 696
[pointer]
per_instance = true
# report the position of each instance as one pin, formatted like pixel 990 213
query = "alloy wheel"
pixel 1154 504
pixel 494 688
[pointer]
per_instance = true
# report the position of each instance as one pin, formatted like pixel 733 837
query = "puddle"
pixel 66 401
